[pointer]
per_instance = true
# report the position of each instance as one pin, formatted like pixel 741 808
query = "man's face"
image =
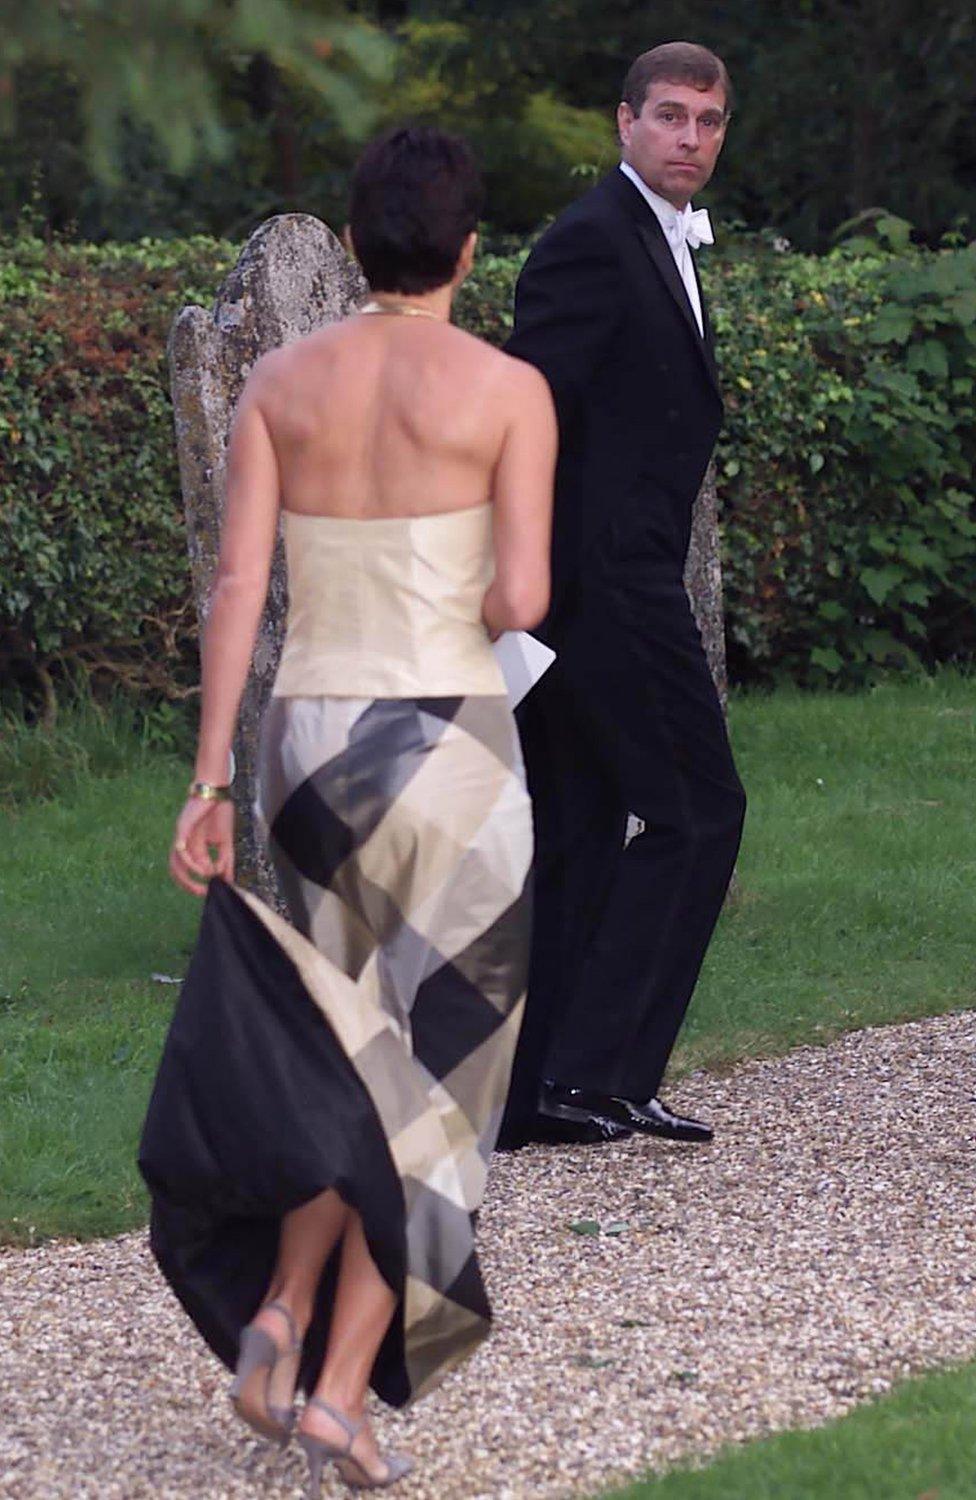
pixel 675 140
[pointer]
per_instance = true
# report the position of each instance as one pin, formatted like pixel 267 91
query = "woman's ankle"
pixel 298 1308
pixel 349 1404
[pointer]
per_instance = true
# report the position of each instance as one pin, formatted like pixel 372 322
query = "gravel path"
pixel 822 1248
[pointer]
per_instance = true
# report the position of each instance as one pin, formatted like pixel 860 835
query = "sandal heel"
pixel 317 1450
pixel 257 1351
pixel 250 1393
pixel 316 1455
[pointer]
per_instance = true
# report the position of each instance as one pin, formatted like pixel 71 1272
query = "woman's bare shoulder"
pixel 522 380
pixel 525 384
pixel 275 369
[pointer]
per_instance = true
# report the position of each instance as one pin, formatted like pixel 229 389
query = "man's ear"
pixel 625 119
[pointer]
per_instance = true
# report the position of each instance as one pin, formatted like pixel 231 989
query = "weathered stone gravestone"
pixel 703 581
pixel 703 585
pixel 293 276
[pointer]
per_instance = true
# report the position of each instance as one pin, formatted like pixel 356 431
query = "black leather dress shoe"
pixel 561 1121
pixel 651 1118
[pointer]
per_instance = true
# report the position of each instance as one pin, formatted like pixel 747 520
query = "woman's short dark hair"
pixel 416 196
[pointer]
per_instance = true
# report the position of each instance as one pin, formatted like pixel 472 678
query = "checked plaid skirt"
pixel 364 1045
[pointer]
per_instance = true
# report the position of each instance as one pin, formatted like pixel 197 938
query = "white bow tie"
pixel 692 227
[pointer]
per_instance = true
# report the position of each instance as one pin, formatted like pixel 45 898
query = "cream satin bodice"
pixel 388 607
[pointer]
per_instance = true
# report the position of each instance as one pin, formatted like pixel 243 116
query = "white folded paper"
pixel 523 661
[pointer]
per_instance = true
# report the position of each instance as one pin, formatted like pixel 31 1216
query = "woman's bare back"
pixel 388 416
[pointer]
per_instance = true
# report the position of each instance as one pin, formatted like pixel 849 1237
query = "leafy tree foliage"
pixel 160 64
pixel 135 117
pixel 843 105
pixel 536 149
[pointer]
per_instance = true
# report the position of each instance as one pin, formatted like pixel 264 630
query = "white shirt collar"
pixel 666 212
pixel 676 225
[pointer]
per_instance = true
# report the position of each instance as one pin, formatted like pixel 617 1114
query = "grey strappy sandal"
pixel 257 1361
pixel 317 1451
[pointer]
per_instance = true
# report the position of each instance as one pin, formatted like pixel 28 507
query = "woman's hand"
pixel 203 844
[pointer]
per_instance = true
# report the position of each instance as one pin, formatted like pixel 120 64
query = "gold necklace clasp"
pixel 400 309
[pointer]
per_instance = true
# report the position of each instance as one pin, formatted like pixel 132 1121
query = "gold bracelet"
pixel 207 792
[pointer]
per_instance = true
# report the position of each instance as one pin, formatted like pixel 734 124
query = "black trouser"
pixel 626 721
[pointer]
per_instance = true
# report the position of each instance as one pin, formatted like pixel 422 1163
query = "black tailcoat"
pixel 602 311
pixel 628 720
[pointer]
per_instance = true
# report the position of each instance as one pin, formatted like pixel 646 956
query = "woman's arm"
pixel 522 504
pixel 240 588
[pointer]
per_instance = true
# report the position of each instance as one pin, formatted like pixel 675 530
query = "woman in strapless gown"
pixel 320 1130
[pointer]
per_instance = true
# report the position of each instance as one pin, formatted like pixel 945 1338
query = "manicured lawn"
pixel 857 880
pixel 915 1444
pixel 855 907
pixel 89 915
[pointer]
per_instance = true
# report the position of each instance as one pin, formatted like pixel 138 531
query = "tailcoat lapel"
pixel 709 335
pixel 653 239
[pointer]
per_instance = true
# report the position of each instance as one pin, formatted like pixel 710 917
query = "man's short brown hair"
pixel 675 62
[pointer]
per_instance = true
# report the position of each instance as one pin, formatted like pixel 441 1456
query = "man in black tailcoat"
pixel 610 308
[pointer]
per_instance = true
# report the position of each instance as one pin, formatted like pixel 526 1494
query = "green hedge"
pixel 846 464
pixel 845 467
pixel 93 573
